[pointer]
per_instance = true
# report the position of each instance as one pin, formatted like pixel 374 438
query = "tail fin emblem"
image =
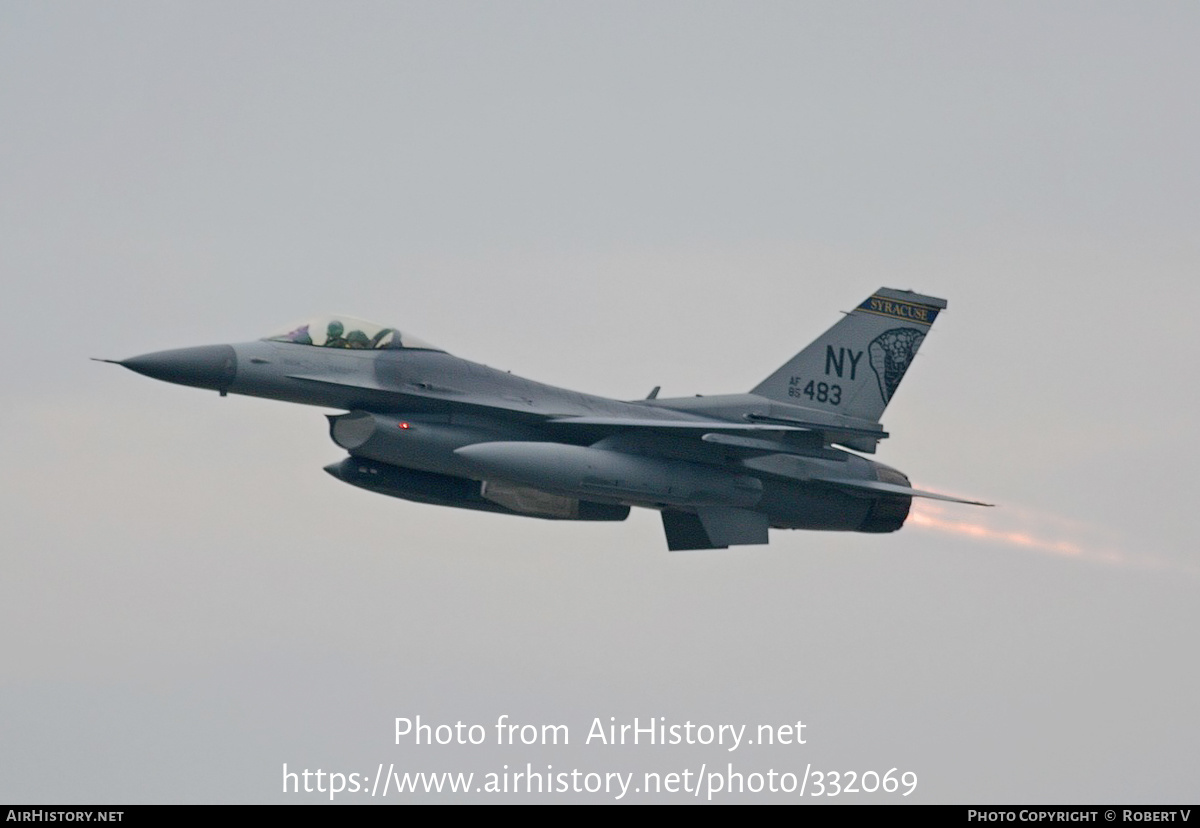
pixel 891 352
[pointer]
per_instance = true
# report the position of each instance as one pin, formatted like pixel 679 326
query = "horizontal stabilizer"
pixel 892 488
pixel 713 527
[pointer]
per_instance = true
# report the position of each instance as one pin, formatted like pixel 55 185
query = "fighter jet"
pixel 423 425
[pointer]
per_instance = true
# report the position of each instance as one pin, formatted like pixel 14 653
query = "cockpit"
pixel 339 331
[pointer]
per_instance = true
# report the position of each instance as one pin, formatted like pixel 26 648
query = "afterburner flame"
pixel 1023 528
pixel 930 516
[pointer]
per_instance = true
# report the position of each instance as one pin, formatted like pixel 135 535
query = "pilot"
pixel 333 335
pixel 357 339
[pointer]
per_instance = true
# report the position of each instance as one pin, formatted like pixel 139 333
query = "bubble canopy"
pixel 341 331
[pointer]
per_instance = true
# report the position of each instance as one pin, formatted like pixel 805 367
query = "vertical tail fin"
pixel 855 367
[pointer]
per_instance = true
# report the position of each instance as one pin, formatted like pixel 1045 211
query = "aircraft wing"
pixel 783 436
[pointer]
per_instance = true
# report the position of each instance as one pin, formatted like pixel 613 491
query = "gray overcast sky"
pixel 607 196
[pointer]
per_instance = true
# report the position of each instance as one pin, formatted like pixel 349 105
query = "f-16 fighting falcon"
pixel 422 425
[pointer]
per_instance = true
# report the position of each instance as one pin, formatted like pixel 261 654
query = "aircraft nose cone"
pixel 209 366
